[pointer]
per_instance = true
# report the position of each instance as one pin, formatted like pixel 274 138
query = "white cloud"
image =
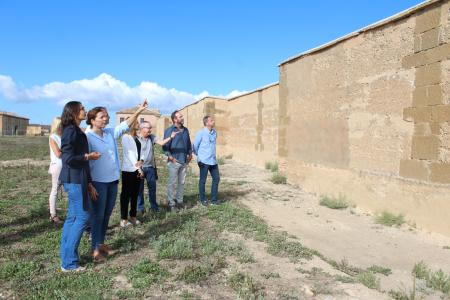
pixel 102 90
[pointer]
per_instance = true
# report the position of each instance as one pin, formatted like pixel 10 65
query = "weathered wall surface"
pixel 253 127
pixel 368 117
pixel 215 107
pixel 161 125
pixel 247 126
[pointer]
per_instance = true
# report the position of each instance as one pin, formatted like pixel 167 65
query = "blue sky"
pixel 113 53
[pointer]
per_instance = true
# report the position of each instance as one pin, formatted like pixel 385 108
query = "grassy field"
pixel 19 147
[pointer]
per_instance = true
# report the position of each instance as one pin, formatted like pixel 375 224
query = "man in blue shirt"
pixel 205 149
pixel 179 154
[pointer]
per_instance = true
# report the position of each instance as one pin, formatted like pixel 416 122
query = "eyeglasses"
pixel 146 127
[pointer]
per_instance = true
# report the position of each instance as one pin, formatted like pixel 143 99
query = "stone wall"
pixel 253 127
pixel 161 125
pixel 367 116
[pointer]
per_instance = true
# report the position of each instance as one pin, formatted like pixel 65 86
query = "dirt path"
pixel 349 234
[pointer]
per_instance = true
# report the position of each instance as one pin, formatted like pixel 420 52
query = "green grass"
pixel 221 161
pixel 272 166
pixel 436 280
pixel 20 147
pixel 199 272
pixel 369 279
pixel 320 288
pixel 389 219
pixel 380 270
pixel 278 178
pixel 269 275
pixel 345 267
pixel 334 203
pixel 145 273
pixel 245 286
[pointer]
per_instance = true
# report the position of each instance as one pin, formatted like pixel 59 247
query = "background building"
pixel 12 124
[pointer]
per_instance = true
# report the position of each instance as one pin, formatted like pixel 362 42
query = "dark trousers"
pixel 214 171
pixel 130 190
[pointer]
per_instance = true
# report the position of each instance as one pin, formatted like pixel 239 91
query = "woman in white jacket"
pixel 131 176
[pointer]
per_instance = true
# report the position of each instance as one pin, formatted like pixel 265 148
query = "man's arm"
pixel 167 146
pixel 197 141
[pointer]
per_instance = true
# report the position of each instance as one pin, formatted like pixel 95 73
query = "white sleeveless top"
pixel 53 158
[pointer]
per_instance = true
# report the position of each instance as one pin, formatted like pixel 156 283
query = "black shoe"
pixel 204 203
pixel 180 206
pixel 215 202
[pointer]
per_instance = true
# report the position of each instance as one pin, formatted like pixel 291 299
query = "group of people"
pixel 87 164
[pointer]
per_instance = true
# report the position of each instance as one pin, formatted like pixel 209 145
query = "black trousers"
pixel 129 194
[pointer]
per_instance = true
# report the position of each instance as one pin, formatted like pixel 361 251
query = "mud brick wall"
pixel 430 109
pixel 367 117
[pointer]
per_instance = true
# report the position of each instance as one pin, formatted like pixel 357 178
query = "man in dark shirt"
pixel 179 154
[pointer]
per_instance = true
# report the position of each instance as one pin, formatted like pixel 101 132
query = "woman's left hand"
pixel 93 192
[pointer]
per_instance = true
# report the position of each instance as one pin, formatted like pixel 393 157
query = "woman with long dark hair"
pixel 76 177
pixel 105 172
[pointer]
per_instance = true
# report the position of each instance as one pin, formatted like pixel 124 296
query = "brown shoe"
pixel 55 220
pixel 104 249
pixel 98 257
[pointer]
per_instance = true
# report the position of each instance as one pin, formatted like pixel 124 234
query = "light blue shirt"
pixel 205 146
pixel 107 167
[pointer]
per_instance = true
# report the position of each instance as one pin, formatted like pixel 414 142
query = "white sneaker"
pixel 76 270
pixel 135 221
pixel 125 223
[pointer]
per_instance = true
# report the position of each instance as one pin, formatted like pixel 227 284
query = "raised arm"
pixel 138 111
pixel 168 139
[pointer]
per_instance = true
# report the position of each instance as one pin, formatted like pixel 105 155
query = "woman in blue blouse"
pixel 76 177
pixel 105 172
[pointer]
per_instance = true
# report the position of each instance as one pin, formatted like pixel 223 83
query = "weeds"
pixel 269 275
pixel 278 178
pixel 380 270
pixel 145 273
pixel 369 280
pixel 272 166
pixel 245 286
pixel 389 219
pixel 334 203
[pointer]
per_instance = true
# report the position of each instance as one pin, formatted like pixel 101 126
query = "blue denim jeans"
pixel 214 171
pixel 101 211
pixel 149 174
pixel 74 225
